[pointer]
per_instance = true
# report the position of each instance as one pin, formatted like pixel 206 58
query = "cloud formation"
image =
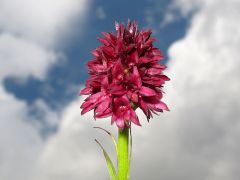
pixel 29 33
pixel 22 58
pixel 40 21
pixel 198 138
pixel 72 153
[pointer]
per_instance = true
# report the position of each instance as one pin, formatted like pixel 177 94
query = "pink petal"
pixel 153 71
pixel 148 43
pixel 86 91
pixel 134 97
pixel 93 98
pixel 118 120
pixel 114 118
pixel 133 58
pixel 144 108
pixel 135 78
pixel 155 81
pixel 146 91
pixel 111 38
pixel 104 41
pixel 157 58
pixel 127 115
pixel 91 102
pixel 134 118
pixel 85 104
pixel 164 77
pixel 156 52
pixel 117 90
pixel 147 34
pixel 132 27
pixel 117 26
pixel 120 123
pixel 87 109
pixel 95 53
pixel 118 72
pixel 159 66
pixel 106 113
pixel 102 106
pixel 109 51
pixel 161 105
pixel 105 83
pixel 145 59
pixel 121 101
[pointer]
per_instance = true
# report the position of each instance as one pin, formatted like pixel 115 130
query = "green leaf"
pixel 113 138
pixel 110 166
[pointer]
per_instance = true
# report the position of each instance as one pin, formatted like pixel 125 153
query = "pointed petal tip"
pixel 85 91
pixel 83 112
pixel 120 124
pixel 146 91
pixel 138 124
pixel 162 106
pixel 116 25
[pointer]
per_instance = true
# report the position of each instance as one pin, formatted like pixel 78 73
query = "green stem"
pixel 123 157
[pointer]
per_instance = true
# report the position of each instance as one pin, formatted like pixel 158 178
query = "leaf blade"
pixel 110 166
pixel 110 134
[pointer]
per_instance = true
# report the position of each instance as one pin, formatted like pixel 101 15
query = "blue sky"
pixel 44 46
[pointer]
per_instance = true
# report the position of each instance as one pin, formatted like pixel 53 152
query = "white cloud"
pixel 100 13
pixel 21 58
pixel 171 13
pixel 42 21
pixel 72 153
pixel 169 18
pixel 198 138
pixel 19 141
pixel 30 31
pixel 188 6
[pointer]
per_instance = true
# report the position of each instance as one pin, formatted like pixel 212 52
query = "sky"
pixel 44 46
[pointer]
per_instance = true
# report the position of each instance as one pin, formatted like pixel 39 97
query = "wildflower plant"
pixel 124 74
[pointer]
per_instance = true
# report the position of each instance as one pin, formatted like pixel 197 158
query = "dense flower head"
pixel 125 74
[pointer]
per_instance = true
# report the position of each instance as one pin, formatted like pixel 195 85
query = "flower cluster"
pixel 124 75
